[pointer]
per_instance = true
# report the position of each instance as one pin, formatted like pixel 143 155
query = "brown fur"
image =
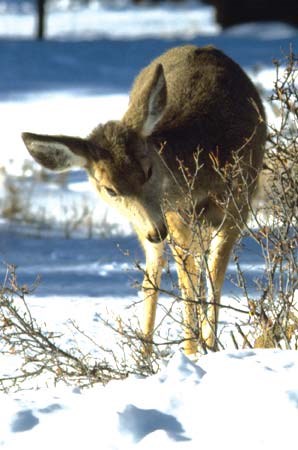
pixel 191 107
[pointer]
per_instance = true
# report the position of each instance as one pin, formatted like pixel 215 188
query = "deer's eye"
pixel 111 192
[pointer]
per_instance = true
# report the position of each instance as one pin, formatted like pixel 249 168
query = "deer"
pixel 193 114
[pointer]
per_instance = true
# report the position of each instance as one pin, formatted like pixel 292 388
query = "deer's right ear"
pixel 58 153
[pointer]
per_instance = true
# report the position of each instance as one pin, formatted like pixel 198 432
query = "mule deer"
pixel 190 104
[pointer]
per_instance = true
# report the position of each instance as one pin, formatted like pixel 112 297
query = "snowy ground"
pixel 227 401
pixel 68 85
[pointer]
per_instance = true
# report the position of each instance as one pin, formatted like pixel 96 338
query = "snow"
pixel 101 20
pixel 262 30
pixel 246 398
pixel 79 77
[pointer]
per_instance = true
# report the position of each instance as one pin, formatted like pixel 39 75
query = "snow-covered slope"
pixel 246 399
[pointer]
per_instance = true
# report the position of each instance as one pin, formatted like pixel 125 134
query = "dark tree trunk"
pixel 41 19
pixel 233 12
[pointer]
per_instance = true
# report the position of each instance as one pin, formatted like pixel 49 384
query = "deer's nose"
pixel 158 235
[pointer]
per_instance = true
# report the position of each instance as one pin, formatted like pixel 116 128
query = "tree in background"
pixel 40 19
pixel 233 12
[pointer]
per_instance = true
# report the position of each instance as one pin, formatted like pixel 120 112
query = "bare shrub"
pixel 20 204
pixel 275 314
pixel 41 352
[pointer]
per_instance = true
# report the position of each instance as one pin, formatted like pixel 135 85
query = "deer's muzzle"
pixel 159 234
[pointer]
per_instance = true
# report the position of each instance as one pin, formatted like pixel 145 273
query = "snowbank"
pixel 228 400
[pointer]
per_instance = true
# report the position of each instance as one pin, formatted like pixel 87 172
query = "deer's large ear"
pixel 58 153
pixel 156 103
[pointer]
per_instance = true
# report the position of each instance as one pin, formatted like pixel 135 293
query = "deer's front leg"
pixel 184 252
pixel 219 255
pixel 150 287
pixel 188 282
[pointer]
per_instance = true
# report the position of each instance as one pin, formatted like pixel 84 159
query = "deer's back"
pixel 211 103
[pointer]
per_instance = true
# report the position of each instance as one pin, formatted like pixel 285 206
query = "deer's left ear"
pixel 58 153
pixel 156 101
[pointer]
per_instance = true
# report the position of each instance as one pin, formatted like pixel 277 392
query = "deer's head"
pixel 119 159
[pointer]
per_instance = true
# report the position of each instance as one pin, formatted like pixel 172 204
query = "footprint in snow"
pixel 24 421
pixel 141 422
